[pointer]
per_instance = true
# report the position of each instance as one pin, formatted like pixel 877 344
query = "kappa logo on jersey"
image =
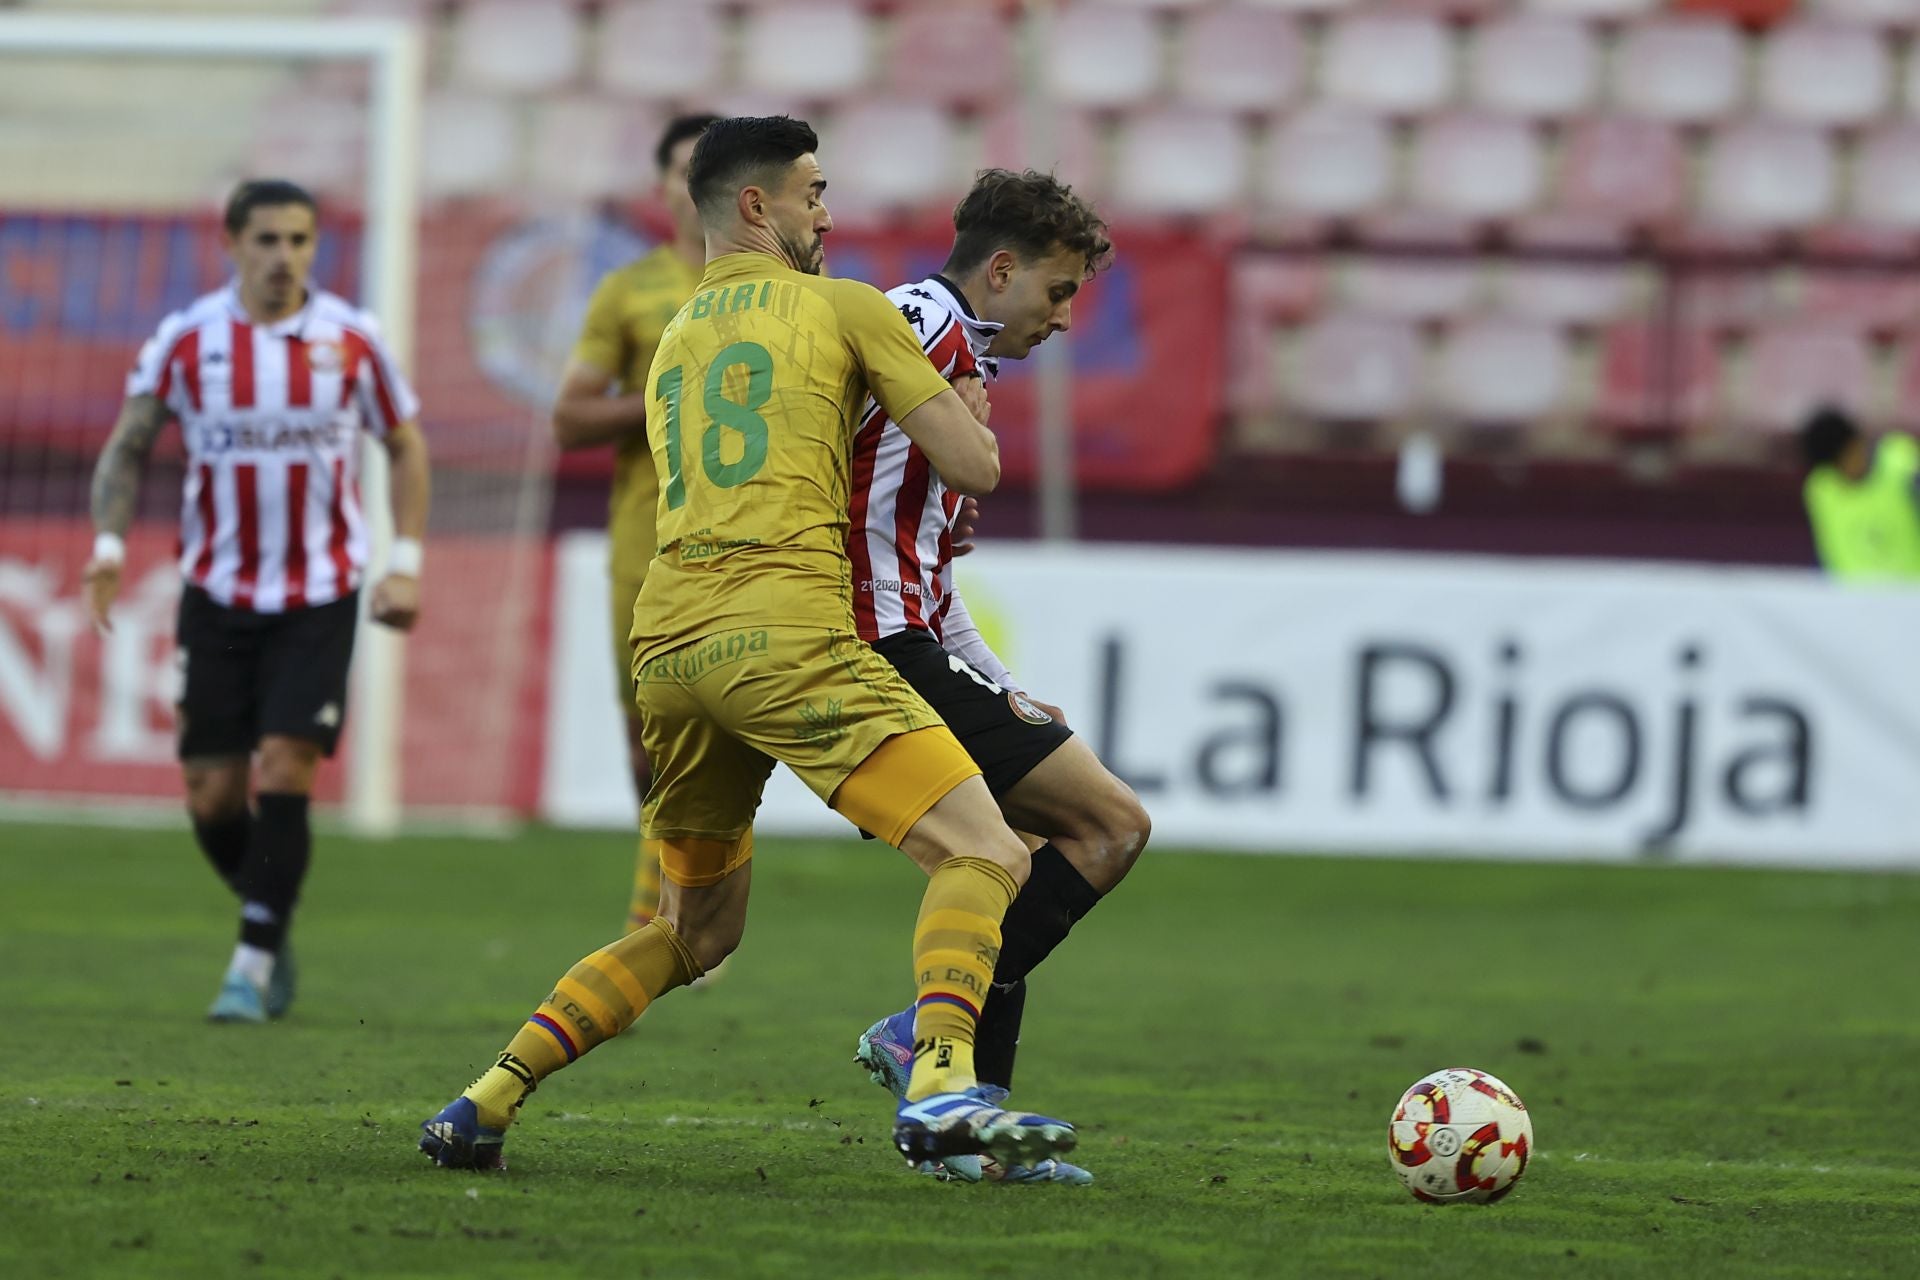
pixel 915 317
pixel 1024 708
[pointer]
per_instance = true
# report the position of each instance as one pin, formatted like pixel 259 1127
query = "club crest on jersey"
pixel 326 357
pixel 1024 708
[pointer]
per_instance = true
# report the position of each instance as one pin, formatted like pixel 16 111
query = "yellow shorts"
pixel 720 712
pixel 624 592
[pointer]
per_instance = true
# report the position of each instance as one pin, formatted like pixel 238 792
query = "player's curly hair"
pixel 264 193
pixel 740 149
pixel 1030 213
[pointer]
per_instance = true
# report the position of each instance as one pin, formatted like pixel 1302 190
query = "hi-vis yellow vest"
pixel 1869 531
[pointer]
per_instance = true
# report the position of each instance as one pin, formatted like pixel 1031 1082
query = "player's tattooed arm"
pixel 116 476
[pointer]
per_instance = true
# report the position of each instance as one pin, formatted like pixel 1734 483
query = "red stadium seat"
pixel 1241 60
pixel 1181 161
pixel 469 146
pixel 1630 171
pixel 1681 70
pixel 1537 66
pixel 890 156
pixel 659 48
pixel 1396 64
pixel 1353 368
pixel 1792 369
pixel 807 48
pixel 1766 176
pixel 1655 377
pixel 1824 74
pixel 1886 177
pixel 1476 165
pixel 1567 292
pixel 1102 56
pixel 1328 161
pixel 586 148
pixel 517 46
pixel 1500 371
pixel 959 54
pixel 1263 293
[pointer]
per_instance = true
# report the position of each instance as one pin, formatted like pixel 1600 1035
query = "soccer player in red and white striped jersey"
pixel 1023 245
pixel 272 382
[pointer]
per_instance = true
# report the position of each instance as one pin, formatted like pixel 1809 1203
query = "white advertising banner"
pixel 1309 702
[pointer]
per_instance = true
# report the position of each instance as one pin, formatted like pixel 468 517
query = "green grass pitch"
pixel 1721 1066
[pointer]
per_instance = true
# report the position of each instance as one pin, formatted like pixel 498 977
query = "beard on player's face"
pixel 807 252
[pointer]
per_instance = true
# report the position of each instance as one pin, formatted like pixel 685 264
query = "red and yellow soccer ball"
pixel 1460 1136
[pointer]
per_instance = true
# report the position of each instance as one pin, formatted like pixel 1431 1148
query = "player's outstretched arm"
pixel 584 415
pixel 116 487
pixel 958 445
pixel 396 597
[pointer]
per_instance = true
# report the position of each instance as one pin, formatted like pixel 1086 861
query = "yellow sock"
pixel 956 943
pixel 645 903
pixel 598 999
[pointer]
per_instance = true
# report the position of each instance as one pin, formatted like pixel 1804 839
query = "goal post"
pixel 392 52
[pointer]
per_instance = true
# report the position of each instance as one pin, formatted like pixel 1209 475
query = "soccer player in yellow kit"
pixel 603 400
pixel 746 655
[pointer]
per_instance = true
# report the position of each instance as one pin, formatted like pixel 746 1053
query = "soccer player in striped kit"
pixel 271 380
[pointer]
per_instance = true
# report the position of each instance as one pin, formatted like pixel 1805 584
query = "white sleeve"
pixel 962 638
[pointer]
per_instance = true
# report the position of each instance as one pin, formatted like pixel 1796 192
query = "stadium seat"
pixel 1008 142
pixel 1536 66
pixel 1878 13
pixel 318 137
pixel 1822 73
pixel 516 46
pixel 1906 383
pixel 1766 176
pixel 1566 291
pixel 808 48
pixel 1181 161
pixel 961 55
pixel 659 48
pixel 1681 70
pixel 1594 10
pixel 1102 56
pixel 1352 368
pixel 1240 60
pixel 1630 171
pixel 1408 287
pixel 469 146
pixel 1264 293
pixel 1868 298
pixel 1476 165
pixel 889 156
pixel 590 149
pixel 1793 368
pixel 1500 371
pixel 1653 377
pixel 1301 6
pixel 1886 177
pixel 1328 161
pixel 1396 64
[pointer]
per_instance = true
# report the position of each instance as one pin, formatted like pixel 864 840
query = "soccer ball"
pixel 1459 1135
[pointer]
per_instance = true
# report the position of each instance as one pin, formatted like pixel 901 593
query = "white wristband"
pixel 109 548
pixel 406 557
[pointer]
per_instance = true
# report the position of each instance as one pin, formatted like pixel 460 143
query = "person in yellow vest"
pixel 602 400
pixel 1863 499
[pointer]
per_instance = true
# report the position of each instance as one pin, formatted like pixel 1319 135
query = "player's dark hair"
pixel 265 193
pixel 678 130
pixel 735 151
pixel 1030 213
pixel 1826 436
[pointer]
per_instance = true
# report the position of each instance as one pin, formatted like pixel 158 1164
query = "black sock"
pixel 1052 900
pixel 277 856
pixel 224 841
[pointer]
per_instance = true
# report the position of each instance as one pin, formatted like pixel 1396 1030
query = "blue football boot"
pixel 455 1139
pixel 1049 1170
pixel 239 1000
pixel 886 1051
pixel 956 1124
pixel 280 988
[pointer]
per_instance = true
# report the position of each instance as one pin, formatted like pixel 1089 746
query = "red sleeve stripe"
pixel 186 352
pixel 366 349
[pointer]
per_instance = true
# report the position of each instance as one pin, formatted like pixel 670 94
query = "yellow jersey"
pixel 628 313
pixel 752 404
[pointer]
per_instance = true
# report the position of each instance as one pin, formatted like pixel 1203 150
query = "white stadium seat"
pixel 1102 56
pixel 1348 367
pixel 889 155
pixel 1301 6
pixel 1409 287
pixel 1825 74
pixel 1631 171
pixel 1568 291
pixel 1886 177
pixel 1766 176
pixel 808 48
pixel 1329 161
pixel 1594 10
pixel 1181 161
pixel 957 54
pixel 1500 371
pixel 591 148
pixel 1008 141
pixel 1533 65
pixel 1477 166
pixel 516 46
pixel 659 48
pixel 1396 64
pixel 1881 13
pixel 469 145
pixel 1790 370
pixel 1682 70
pixel 1240 60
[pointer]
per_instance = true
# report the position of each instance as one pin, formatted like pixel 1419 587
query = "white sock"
pixel 252 963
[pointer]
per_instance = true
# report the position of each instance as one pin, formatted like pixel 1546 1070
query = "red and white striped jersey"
pixel 899 536
pixel 270 510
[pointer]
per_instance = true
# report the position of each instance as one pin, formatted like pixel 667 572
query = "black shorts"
pixel 1003 731
pixel 252 674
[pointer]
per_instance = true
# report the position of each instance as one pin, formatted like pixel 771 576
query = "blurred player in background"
pixel 602 400
pixel 272 382
pixel 1863 499
pixel 1023 245
pixel 746 655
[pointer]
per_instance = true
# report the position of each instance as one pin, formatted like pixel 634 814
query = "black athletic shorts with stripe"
pixel 248 675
